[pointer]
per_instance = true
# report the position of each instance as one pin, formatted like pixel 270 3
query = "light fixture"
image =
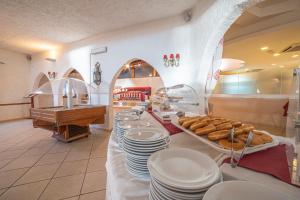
pixel 228 64
pixel 150 75
pixel 127 66
pixel 172 60
pixel 52 75
pixel 51 59
pixel 276 54
pixel 97 74
pixel 264 48
pixel 295 56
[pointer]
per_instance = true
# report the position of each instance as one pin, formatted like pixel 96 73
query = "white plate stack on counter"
pixel 181 174
pixel 139 144
pixel 120 131
pixel 123 126
pixel 127 112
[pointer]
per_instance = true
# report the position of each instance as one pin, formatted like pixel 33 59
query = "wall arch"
pixel 230 13
pixel 43 100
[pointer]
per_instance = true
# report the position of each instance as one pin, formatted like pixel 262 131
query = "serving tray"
pixel 219 148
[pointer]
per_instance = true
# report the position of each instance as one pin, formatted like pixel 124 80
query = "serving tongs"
pixel 248 141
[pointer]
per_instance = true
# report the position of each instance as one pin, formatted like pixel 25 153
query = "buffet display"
pixel 68 124
pixel 216 131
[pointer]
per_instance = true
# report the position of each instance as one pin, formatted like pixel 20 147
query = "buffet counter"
pixel 121 185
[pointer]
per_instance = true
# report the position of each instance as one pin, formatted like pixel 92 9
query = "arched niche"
pixel 42 100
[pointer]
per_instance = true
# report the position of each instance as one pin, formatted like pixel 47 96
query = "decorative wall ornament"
pixel 171 61
pixel 52 75
pixel 97 74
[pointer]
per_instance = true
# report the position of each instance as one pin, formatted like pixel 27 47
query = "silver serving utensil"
pixel 231 152
pixel 248 141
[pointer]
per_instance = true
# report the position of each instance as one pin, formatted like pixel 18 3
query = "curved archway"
pixel 44 100
pixel 158 83
pixel 78 99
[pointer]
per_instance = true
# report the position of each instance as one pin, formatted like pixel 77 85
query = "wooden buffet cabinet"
pixel 68 124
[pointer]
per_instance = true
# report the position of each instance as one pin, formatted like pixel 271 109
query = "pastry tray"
pixel 219 148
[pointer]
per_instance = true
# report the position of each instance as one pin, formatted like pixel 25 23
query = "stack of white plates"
pixel 246 190
pixel 127 112
pixel 119 131
pixel 139 144
pixel 181 174
pixel 123 126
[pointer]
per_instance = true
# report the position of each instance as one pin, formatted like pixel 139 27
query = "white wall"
pixel 14 85
pixel 196 41
pixel 153 82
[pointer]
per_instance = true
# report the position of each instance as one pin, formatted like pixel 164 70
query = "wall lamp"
pixel 171 61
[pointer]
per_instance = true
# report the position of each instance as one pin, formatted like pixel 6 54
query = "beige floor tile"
pixel 25 192
pixel 99 153
pixel 100 195
pixel 60 148
pixel 72 198
pixel 94 181
pixel 96 164
pixel 3 190
pixel 4 162
pixel 11 154
pixel 63 187
pixel 72 168
pixel 78 155
pixel 7 178
pixel 21 162
pixel 36 151
pixel 38 173
pixel 52 158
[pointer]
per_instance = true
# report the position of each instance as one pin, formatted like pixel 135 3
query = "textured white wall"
pixel 196 41
pixel 14 85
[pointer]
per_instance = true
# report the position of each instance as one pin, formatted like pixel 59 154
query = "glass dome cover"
pixel 177 98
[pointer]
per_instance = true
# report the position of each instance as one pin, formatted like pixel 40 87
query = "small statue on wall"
pixel 97 74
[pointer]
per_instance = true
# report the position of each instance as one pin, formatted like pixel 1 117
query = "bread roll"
pixel 224 126
pixel 217 135
pixel 189 122
pixel 205 130
pixel 236 145
pixel 236 123
pixel 198 124
pixel 247 128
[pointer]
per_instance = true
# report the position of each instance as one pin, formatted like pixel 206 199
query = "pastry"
pixel 182 119
pixel 219 121
pixel 236 124
pixel 198 124
pixel 256 140
pixel 236 145
pixel 224 126
pixel 189 122
pixel 205 130
pixel 238 131
pixel 265 137
pixel 247 128
pixel 217 135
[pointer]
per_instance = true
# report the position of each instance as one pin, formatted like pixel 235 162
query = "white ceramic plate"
pixel 183 168
pixel 245 190
pixel 146 134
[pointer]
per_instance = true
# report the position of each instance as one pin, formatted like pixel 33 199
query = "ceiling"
pixel 250 33
pixel 31 26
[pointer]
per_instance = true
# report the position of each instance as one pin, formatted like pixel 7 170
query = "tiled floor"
pixel 33 165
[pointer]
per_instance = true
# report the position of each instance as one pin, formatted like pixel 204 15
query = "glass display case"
pixel 177 98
